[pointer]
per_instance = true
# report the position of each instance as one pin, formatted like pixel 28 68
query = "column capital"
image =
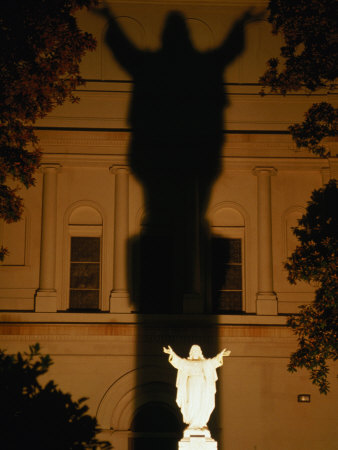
pixel 258 170
pixel 45 166
pixel 117 169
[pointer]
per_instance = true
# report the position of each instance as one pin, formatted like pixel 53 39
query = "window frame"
pixel 81 231
pixel 229 233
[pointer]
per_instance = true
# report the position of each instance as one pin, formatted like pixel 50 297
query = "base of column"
pixel 192 304
pixel 120 302
pixel 267 304
pixel 197 439
pixel 45 300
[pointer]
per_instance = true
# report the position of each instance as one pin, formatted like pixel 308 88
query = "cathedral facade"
pixel 133 240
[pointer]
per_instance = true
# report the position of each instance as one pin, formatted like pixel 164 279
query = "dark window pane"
pixel 83 299
pixel 226 274
pixel 235 251
pixel 226 251
pixel 85 249
pixel 85 276
pixel 232 277
pixel 229 301
pixel 155 273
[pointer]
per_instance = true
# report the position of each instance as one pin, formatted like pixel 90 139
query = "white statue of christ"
pixel 196 385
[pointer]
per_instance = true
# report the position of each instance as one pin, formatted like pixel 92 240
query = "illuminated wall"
pixel 77 281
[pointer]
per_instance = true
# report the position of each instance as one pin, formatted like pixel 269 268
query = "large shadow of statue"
pixel 176 116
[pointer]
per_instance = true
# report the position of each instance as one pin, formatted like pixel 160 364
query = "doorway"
pixel 155 426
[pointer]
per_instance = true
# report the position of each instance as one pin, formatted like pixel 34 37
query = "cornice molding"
pixel 68 320
pixel 260 3
pixel 80 160
pixel 230 163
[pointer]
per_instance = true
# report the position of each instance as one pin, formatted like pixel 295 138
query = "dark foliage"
pixel 315 261
pixel 37 417
pixel 308 60
pixel 41 47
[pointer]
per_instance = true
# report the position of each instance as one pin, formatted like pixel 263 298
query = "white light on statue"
pixel 196 388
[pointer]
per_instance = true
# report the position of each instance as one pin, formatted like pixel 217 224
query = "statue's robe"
pixel 196 388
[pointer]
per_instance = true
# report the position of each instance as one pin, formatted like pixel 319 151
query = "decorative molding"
pixel 230 162
pixel 193 2
pixel 44 166
pixel 125 396
pixel 84 160
pixel 227 204
pixel 271 171
pixel 119 169
pixel 131 321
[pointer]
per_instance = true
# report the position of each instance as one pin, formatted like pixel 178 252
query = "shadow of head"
pixel 175 35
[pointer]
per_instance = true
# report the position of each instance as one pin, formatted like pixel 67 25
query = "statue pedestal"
pixel 197 440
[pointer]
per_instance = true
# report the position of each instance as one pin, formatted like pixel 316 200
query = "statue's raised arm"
pixel 125 52
pixel 233 44
pixel 170 352
pixel 221 355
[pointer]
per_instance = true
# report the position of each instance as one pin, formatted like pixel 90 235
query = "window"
pixel 227 287
pixel 227 274
pixel 83 268
pixel 85 272
pixel 155 272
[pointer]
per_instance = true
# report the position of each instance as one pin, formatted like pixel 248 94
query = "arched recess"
pixel 155 426
pixel 228 252
pixel 84 232
pixel 82 211
pixel 227 214
pixel 125 397
pixel 85 215
pixel 201 34
pixel 290 220
pixel 155 416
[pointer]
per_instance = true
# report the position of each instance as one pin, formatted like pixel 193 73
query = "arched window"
pixel 85 264
pixel 227 260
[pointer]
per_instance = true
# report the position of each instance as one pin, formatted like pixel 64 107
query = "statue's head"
pixel 196 352
pixel 175 35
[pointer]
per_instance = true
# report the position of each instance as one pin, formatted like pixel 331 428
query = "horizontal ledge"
pixel 287 163
pixel 127 86
pixel 130 318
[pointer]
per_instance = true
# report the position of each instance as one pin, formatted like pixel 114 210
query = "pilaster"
pixel 45 298
pixel 266 297
pixel 119 296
